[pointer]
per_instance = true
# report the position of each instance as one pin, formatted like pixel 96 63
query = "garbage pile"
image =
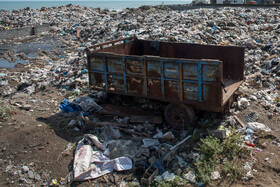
pixel 256 29
pixel 135 136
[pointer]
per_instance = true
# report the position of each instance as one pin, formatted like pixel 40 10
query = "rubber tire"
pixel 179 116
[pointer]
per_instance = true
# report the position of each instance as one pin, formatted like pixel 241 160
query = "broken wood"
pixel 115 124
pixel 239 121
pixel 100 124
pixel 122 127
pixel 123 111
pixel 143 119
pixel 175 147
pixel 149 174
pixel 152 170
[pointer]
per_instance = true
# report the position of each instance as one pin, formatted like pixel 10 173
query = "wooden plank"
pixel 123 111
pixel 239 121
pixel 143 119
pixel 134 133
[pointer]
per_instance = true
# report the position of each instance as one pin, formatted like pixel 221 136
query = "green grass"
pixel 203 170
pixel 212 150
pixel 210 147
pixel 231 145
pixel 177 181
pixel 233 171
pixel 5 111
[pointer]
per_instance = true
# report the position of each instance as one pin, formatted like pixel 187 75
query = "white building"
pixel 237 2
pixel 202 2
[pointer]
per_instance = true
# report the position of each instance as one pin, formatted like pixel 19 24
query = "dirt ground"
pixel 39 138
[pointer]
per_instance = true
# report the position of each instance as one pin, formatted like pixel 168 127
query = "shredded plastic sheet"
pixel 90 164
pixel 79 104
pixel 86 103
pixel 258 127
pixel 66 106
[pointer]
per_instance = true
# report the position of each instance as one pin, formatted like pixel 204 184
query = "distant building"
pixel 260 2
pixel 201 1
pixel 237 2
pixel 264 1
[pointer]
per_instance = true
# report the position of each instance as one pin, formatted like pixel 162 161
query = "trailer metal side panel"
pixel 166 79
pixel 203 76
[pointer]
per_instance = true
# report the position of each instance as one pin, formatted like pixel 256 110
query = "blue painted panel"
pixel 96 62
pixel 171 70
pixel 210 72
pixel 162 79
pixel 124 74
pixel 190 71
pixel 153 68
pixel 115 65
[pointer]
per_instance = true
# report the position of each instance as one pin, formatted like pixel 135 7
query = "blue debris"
pixel 66 106
pixel 84 71
pixel 160 165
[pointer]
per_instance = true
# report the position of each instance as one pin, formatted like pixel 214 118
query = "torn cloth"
pixel 90 164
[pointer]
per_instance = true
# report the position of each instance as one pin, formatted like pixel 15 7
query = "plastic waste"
pixel 90 164
pixel 66 106
pixel 168 176
pixel 258 127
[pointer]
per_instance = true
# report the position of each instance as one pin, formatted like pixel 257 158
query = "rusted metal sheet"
pixel 171 72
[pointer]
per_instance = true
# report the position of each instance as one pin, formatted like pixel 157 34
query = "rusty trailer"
pixel 189 76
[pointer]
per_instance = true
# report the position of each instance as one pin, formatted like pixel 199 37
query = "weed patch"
pixel 177 181
pixel 210 147
pixel 233 171
pixel 212 150
pixel 5 111
pixel 203 170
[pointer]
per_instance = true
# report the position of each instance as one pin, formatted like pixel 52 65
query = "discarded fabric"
pixel 90 164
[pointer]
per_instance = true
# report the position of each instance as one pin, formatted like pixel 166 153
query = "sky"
pixel 94 0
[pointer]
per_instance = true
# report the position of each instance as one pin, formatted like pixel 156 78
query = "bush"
pixel 210 147
pixel 233 171
pixel 231 145
pixel 203 170
pixel 177 181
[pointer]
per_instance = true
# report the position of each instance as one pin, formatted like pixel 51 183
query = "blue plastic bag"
pixel 66 106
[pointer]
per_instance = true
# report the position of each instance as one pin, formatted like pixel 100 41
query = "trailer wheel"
pixel 179 116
